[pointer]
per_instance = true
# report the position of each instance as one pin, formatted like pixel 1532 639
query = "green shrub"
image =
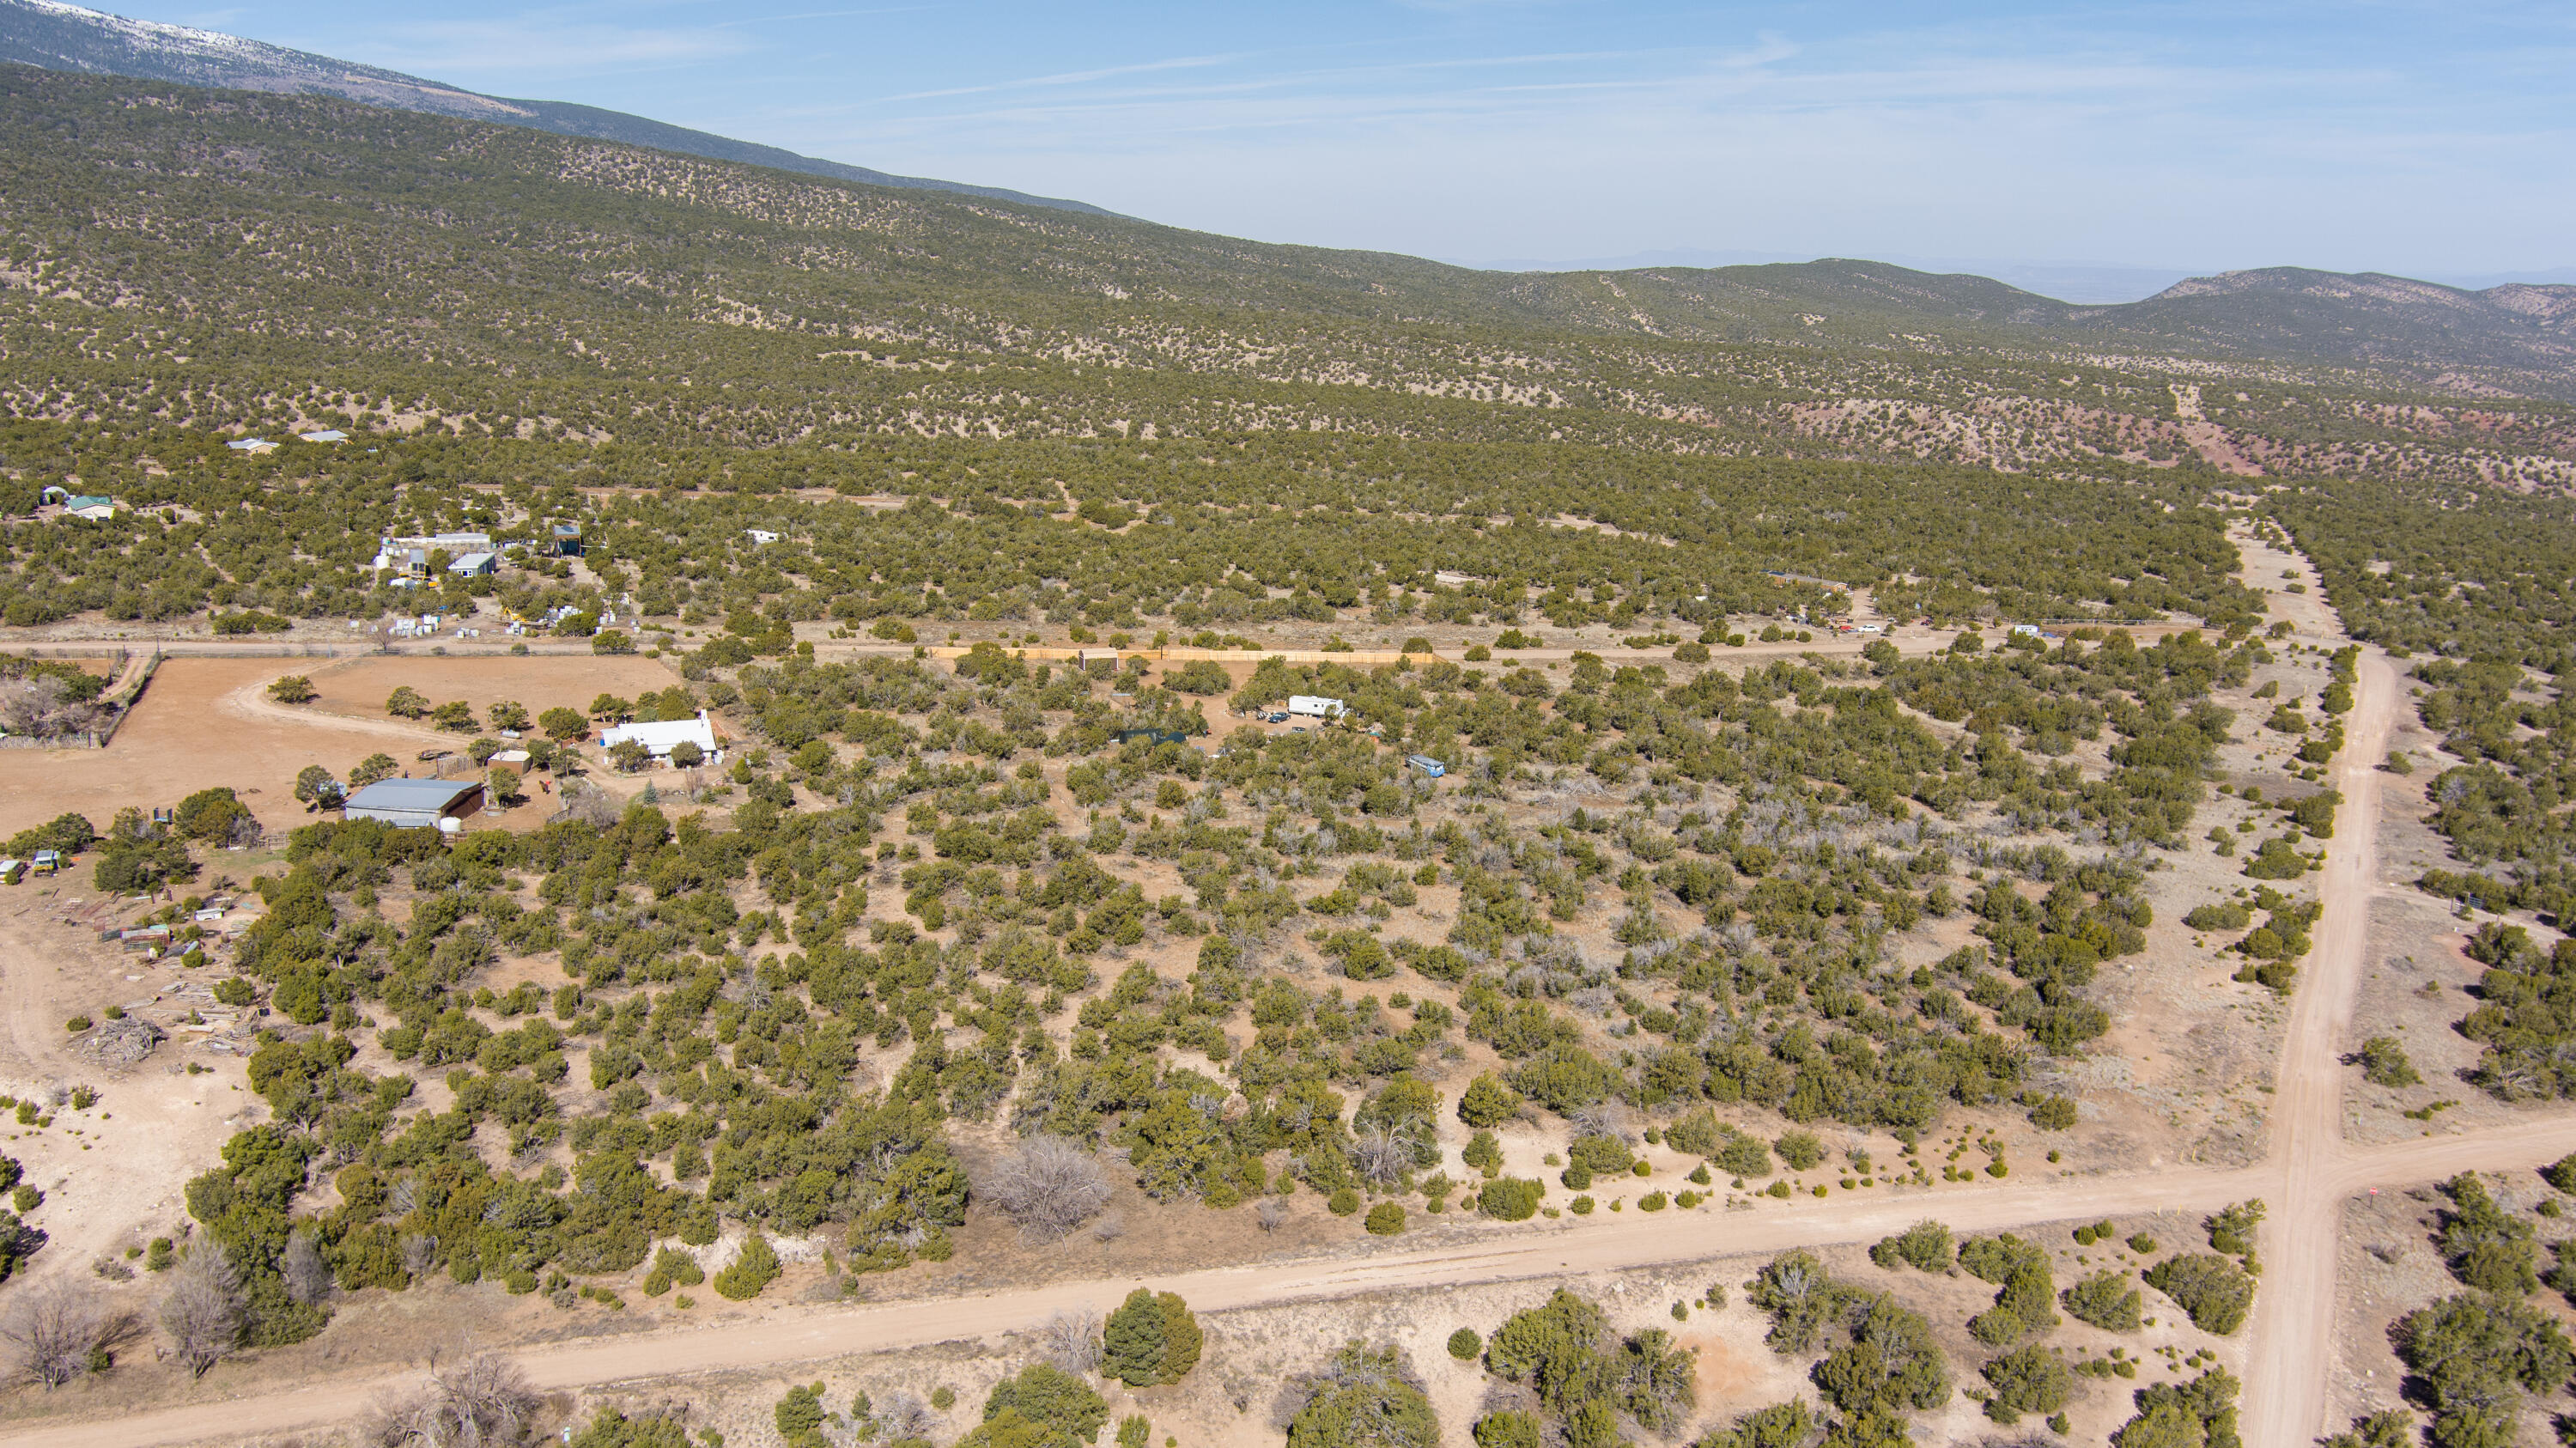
pixel 1800 1149
pixel 754 1269
pixel 1924 1246
pixel 2027 1380
pixel 1151 1338
pixel 2383 1063
pixel 2106 1300
pixel 2220 915
pixel 1510 1199
pixel 2214 1290
pixel 1386 1219
pixel 1367 1396
pixel 1343 1202
pixel 2561 1173
pixel 1487 1101
pixel 1464 1344
pixel 1744 1156
pixel 2232 1230
pixel 1043 1406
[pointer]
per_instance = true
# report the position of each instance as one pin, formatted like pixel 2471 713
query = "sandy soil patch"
pixel 357 688
pixel 113 1175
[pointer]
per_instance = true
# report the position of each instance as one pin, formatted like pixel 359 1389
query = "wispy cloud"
pixel 1068 78
pixel 544 43
pixel 2328 131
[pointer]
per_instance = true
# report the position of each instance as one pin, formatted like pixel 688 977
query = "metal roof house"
pixel 663 737
pixel 420 804
pixel 472 565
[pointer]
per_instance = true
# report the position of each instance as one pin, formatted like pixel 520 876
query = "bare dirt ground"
pixel 113 1174
pixel 357 688
pixel 181 738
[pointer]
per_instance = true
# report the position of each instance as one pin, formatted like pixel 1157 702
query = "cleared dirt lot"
pixel 357 688
pixel 207 722
pixel 113 1175
pixel 180 739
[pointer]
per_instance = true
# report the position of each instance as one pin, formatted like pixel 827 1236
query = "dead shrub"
pixel 1049 1186
pixel 483 1402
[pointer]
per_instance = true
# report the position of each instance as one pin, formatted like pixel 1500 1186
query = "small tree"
pixel 1151 1338
pixel 507 714
pixel 315 787
pixel 1133 1350
pixel 687 755
pixel 563 725
pixel 1488 1102
pixel 630 755
pixel 293 689
pixel 212 815
pixel 372 768
pixel 612 709
pixel 202 1311
pixel 455 714
pixel 505 782
pixel 406 702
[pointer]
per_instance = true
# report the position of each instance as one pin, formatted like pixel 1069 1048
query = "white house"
pixel 411 555
pixel 663 737
pixel 1315 706
pixel 760 535
pixel 252 445
pixel 328 434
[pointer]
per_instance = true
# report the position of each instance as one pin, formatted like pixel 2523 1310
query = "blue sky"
pixel 2420 138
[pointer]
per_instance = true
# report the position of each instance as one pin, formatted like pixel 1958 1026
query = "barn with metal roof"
pixel 416 803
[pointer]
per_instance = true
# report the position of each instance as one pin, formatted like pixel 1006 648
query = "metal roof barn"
pixel 416 803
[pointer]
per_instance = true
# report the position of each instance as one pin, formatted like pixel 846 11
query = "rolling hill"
pixel 214 257
pixel 57 36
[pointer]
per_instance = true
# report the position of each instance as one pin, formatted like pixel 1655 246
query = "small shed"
pixel 567 540
pixel 416 803
pixel 472 565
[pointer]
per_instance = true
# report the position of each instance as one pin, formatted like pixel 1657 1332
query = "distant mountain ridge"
pixel 59 36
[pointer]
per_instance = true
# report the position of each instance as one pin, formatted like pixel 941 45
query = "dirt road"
pixel 251 704
pixel 2285 1396
pixel 805 1334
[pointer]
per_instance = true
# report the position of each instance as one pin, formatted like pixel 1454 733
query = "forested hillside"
pixel 224 259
